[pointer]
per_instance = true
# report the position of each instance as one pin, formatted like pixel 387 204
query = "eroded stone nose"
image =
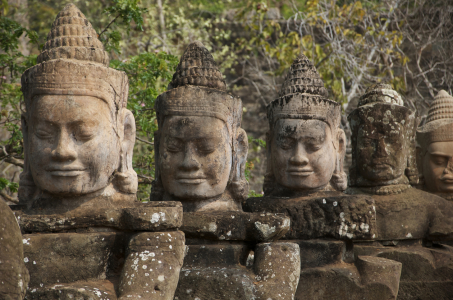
pixel 64 150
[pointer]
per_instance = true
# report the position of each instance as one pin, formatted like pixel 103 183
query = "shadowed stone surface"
pixel 13 273
pixel 220 272
pixel 150 216
pixel 236 226
pixel 334 215
pixel 383 166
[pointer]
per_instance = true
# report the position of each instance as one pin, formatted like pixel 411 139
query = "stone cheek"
pixel 13 274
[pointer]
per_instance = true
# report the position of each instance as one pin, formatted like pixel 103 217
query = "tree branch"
pixel 8 197
pixel 144 141
pixel 105 29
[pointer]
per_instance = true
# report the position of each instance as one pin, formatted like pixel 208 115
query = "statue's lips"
pixel 299 172
pixel 447 180
pixel 66 172
pixel 191 180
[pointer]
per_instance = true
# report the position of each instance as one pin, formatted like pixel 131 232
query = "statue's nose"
pixel 64 151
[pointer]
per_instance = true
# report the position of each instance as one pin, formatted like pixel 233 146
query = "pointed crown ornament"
pixel 303 96
pixel 197 75
pixel 438 126
pixel 198 89
pixel 73 62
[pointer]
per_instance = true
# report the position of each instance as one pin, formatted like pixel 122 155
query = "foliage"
pixel 6 184
pixel 149 74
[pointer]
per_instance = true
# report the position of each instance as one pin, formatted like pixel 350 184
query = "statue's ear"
pixel 419 159
pixel 241 153
pixel 339 179
pixel 27 187
pixel 125 178
pixel 127 145
pixel 239 186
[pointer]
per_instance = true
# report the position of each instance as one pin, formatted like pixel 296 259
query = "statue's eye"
pixel 314 146
pixel 84 134
pixel 206 147
pixel 439 160
pixel 43 134
pixel 286 143
pixel 173 145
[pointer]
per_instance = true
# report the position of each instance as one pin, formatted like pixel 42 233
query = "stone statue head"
pixel 435 146
pixel 305 144
pixel 382 140
pixel 78 134
pixel 200 148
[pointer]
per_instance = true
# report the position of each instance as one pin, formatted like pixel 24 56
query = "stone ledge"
pixel 341 217
pixel 235 226
pixel 152 216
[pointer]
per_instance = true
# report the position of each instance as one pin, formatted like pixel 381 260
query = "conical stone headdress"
pixel 303 96
pixel 198 89
pixel 73 62
pixel 439 122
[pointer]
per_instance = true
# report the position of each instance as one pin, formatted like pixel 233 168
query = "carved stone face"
pixel 73 146
pixel 438 167
pixel 195 157
pixel 303 154
pixel 381 150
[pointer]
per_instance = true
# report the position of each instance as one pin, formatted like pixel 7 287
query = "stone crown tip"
pixel 443 94
pixel 72 37
pixel 197 67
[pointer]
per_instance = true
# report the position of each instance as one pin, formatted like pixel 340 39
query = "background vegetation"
pixel 352 43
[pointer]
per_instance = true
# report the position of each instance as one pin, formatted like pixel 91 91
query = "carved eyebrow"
pixel 440 154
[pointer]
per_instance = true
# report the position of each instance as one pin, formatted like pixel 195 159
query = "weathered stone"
pixel 201 153
pixel 63 258
pixel 13 273
pixel 274 273
pixel 78 133
pixel 327 273
pixel 201 149
pixel 83 290
pixel 78 179
pixel 305 150
pixel 332 214
pixel 383 166
pixel 152 216
pixel 305 146
pixel 434 147
pixel 426 273
pixel 236 226
pixel 152 267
